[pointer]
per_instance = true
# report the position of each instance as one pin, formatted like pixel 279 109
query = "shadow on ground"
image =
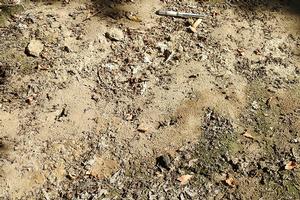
pixel 292 6
pixel 286 7
pixel 108 8
pixel 112 8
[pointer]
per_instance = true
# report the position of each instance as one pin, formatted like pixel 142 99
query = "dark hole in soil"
pixel 3 74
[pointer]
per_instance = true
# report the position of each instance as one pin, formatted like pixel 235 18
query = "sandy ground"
pixel 106 100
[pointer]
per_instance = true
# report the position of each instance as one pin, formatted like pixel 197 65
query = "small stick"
pixel 92 15
pixel 179 14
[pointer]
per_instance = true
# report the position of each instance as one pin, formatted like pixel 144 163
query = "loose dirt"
pixel 120 103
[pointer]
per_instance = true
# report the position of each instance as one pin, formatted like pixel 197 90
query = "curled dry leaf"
pixel 184 179
pixel 291 165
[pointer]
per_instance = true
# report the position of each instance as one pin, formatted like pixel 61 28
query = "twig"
pixel 93 15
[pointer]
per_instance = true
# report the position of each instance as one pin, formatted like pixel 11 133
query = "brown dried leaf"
pixel 231 182
pixel 184 179
pixel 291 165
pixel 133 17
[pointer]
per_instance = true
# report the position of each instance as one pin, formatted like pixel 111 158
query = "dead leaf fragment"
pixel 193 28
pixel 133 17
pixel 248 135
pixel 231 182
pixel 184 179
pixel 290 165
pixel 197 23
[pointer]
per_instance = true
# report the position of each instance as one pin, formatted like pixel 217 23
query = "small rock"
pixel 162 46
pixel 231 181
pixel 204 57
pixel 143 128
pixel 102 167
pixel 135 69
pixel 115 34
pixel 296 140
pixel 255 105
pixel 46 195
pixel 147 58
pixel 163 161
pixel 181 196
pixel 111 66
pixel 29 100
pixel 34 48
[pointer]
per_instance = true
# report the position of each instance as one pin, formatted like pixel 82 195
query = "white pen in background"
pixel 179 14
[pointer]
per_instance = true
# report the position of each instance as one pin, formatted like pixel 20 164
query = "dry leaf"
pixel 197 23
pixel 184 179
pixel 231 182
pixel 248 135
pixel 194 30
pixel 133 17
pixel 290 165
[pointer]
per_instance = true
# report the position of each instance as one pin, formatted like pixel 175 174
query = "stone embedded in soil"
pixel 103 168
pixel 143 128
pixel 255 105
pixel 111 66
pixel 115 34
pixel 147 58
pixel 34 48
pixel 162 46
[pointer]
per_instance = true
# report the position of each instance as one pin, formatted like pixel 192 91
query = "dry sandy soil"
pixel 106 100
